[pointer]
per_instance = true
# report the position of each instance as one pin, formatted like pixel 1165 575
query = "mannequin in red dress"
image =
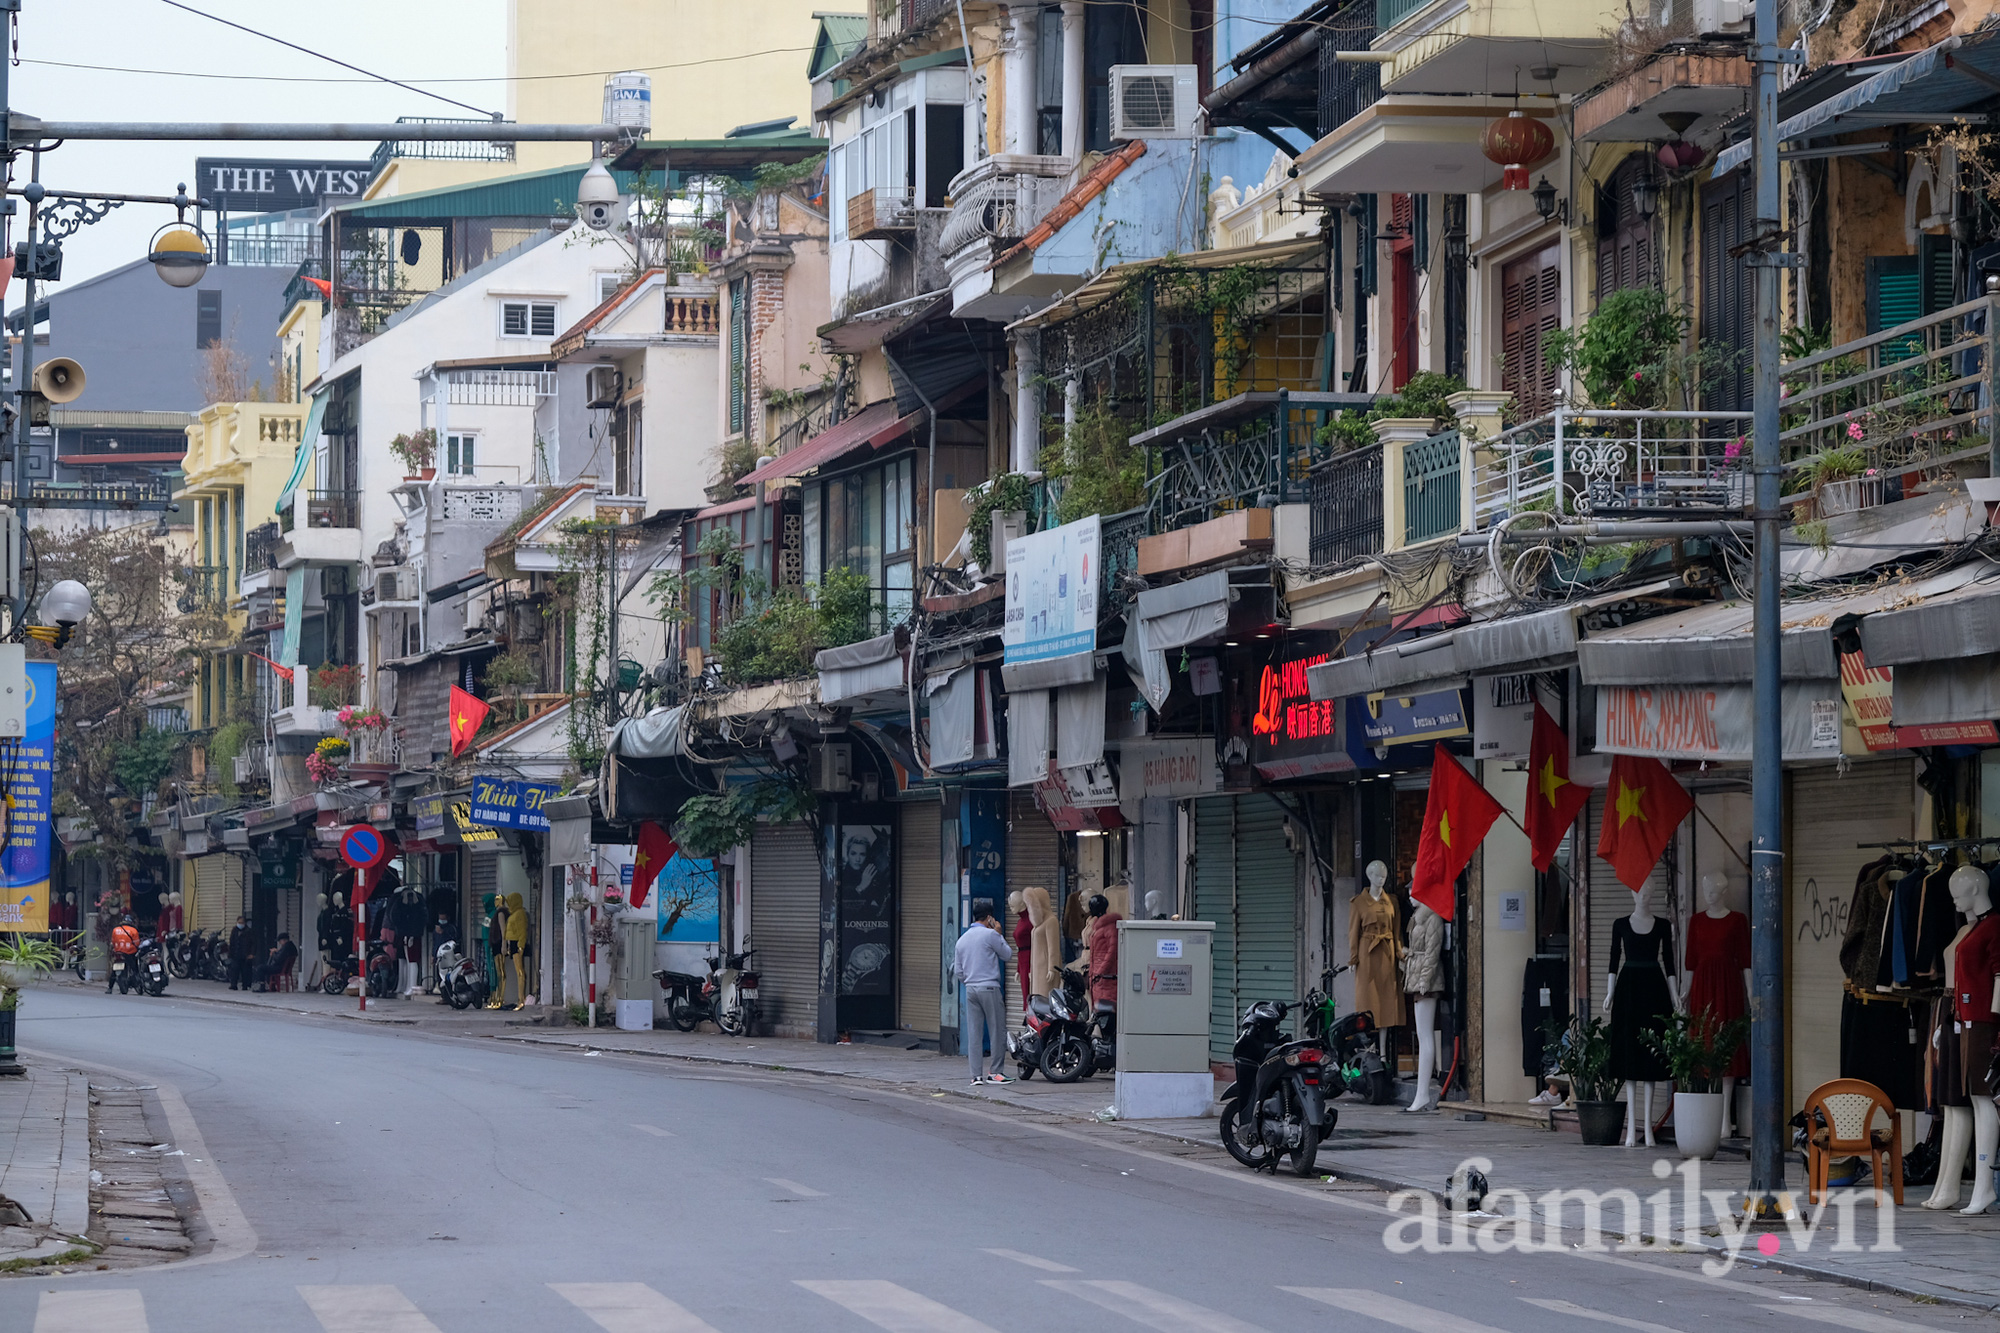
pixel 1718 965
pixel 1024 941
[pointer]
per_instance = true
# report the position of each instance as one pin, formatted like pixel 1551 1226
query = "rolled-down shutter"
pixel 920 924
pixel 784 927
pixel 218 891
pixel 1267 934
pixel 1214 900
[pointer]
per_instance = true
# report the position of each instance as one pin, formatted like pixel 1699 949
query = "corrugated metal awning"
pixel 1964 622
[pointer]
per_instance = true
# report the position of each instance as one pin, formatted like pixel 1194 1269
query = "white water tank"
pixel 628 101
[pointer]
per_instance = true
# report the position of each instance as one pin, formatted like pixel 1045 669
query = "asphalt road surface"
pixel 367 1180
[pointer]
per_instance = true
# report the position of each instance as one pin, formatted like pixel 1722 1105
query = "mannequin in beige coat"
pixel 1423 982
pixel 1047 942
pixel 1374 947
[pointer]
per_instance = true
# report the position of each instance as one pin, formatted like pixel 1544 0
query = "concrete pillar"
pixel 1027 402
pixel 1022 113
pixel 1076 112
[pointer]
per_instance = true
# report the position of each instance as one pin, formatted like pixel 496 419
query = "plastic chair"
pixel 1840 1122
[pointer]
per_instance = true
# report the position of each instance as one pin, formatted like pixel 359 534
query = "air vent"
pixel 1153 102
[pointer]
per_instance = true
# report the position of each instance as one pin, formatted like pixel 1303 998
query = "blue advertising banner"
pixel 24 864
pixel 510 803
pixel 1398 720
pixel 1052 592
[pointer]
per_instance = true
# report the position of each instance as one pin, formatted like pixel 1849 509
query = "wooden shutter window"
pixel 1530 309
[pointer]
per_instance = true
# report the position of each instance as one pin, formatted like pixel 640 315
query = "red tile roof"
pixel 1093 184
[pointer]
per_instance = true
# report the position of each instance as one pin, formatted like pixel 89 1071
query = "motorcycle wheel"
pixel 177 964
pixel 157 988
pixel 729 1022
pixel 333 983
pixel 1027 1072
pixel 1067 1059
pixel 1380 1087
pixel 1308 1149
pixel 1254 1154
pixel 459 994
pixel 682 1014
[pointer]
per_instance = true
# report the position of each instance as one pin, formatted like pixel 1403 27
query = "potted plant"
pixel 417 451
pixel 1583 1056
pixel 22 959
pixel 1841 479
pixel 1698 1049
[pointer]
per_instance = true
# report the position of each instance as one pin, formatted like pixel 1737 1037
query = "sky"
pixel 404 39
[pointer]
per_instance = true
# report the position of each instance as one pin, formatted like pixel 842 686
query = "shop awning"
pixel 1173 617
pixel 951 691
pixel 1962 622
pixel 1942 81
pixel 857 670
pixel 657 735
pixel 874 425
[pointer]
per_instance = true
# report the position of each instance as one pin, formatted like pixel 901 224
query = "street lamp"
pixel 62 609
pixel 179 252
pixel 1544 195
pixel 1645 194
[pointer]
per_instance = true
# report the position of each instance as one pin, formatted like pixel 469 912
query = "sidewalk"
pixel 44 1163
pixel 1939 1255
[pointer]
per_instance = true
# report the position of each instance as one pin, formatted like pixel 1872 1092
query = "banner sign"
pixel 468 831
pixel 1183 766
pixel 428 811
pixel 1052 592
pixel 509 803
pixel 1394 719
pixel 24 864
pixel 1870 693
pixel 275 185
pixel 1713 721
pixel 1292 734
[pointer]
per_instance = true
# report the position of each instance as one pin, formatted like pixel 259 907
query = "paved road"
pixel 398 1181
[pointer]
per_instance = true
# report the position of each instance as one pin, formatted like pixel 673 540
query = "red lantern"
pixel 1680 155
pixel 1517 143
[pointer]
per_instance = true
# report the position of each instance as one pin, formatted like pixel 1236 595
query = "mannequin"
pixel 517 947
pixel 407 916
pixel 1718 952
pixel 1970 962
pixel 1156 905
pixel 1642 953
pixel 1024 940
pixel 1103 954
pixel 1045 942
pixel 493 921
pixel 1374 947
pixel 1423 982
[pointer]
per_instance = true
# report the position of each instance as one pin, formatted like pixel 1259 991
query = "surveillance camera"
pixel 597 198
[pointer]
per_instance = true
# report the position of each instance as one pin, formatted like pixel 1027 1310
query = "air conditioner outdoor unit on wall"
pixel 603 385
pixel 1153 102
pixel 833 768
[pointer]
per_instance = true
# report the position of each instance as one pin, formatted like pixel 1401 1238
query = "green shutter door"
pixel 1214 900
pixel 1895 296
pixel 1246 883
pixel 1934 272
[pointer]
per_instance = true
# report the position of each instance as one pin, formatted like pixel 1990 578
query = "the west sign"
pixel 275 185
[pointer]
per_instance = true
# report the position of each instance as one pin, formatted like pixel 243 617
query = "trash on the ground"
pixel 1108 1113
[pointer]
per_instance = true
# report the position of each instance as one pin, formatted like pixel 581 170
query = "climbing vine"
pixel 583 586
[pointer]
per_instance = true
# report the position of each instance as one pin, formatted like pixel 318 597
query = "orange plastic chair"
pixel 1840 1122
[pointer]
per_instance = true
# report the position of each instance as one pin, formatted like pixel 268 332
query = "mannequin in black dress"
pixel 1639 993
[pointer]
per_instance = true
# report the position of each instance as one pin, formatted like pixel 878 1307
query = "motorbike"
pixel 151 965
pixel 1066 1036
pixel 124 972
pixel 174 947
pixel 383 972
pixel 460 980
pixel 727 996
pixel 1349 1042
pixel 1279 1101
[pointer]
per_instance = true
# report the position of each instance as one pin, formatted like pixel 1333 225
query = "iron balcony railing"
pixel 1613 461
pixel 1001 198
pixel 465 150
pixel 266 250
pixel 1344 494
pixel 323 509
pixel 138 493
pixel 1388 13
pixel 1347 88
pixel 202 586
pixel 1432 480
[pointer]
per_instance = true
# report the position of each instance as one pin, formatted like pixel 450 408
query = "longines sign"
pixel 275 185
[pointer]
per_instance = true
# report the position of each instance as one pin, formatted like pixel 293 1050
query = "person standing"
pixel 124 943
pixel 980 960
pixel 240 950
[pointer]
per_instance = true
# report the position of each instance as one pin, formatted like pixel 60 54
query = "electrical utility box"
pixel 1164 978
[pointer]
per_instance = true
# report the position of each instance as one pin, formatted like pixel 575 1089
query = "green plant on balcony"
pixel 416 450
pixel 1008 493
pixel 511 675
pixel 333 685
pixel 711 826
pixel 1633 352
pixel 224 744
pixel 1425 394
pixel 1099 470
pixel 776 633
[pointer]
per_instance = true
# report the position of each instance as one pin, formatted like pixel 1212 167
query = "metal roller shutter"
pixel 920 923
pixel 218 891
pixel 1246 882
pixel 1830 814
pixel 1034 857
pixel 784 927
pixel 1214 900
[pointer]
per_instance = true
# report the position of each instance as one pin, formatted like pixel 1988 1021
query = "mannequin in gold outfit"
pixel 515 935
pixel 1374 947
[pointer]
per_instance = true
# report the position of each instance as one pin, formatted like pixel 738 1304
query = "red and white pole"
pixel 593 941
pixel 361 935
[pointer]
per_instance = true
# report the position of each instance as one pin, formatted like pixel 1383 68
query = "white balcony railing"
pixel 1002 198
pixel 1609 462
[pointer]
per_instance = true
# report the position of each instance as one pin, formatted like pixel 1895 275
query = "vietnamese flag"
pixel 1456 819
pixel 656 848
pixel 1553 799
pixel 1643 806
pixel 468 714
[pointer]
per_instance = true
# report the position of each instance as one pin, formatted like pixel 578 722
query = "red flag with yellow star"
pixel 1456 819
pixel 1553 799
pixel 1643 805
pixel 468 714
pixel 656 848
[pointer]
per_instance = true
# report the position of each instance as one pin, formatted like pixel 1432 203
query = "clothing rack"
pixel 1928 844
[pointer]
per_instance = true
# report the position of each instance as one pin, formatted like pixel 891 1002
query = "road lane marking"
pixel 1391 1310
pixel 803 1191
pixel 654 1130
pixel 1583 1312
pixel 629 1307
pixel 1034 1261
pixel 1154 1309
pixel 362 1309
pixel 90 1312
pixel 898 1309
pixel 1866 1321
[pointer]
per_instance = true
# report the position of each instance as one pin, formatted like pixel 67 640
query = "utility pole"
pixel 1767 881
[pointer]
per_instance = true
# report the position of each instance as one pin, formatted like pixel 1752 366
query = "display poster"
pixel 1052 592
pixel 24 864
pixel 688 899
pixel 861 858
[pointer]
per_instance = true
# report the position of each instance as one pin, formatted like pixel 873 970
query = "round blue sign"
pixel 362 847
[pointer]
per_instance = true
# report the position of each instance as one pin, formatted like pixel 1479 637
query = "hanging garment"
pixel 1882 1042
pixel 1944 1052
pixel 1374 947
pixel 1641 1001
pixel 1861 945
pixel 1544 977
pixel 1024 952
pixel 1921 922
pixel 1718 954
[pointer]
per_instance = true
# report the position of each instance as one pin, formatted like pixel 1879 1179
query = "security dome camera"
pixel 597 198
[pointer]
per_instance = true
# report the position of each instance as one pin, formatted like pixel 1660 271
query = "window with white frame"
pixel 608 286
pixel 527 319
pixel 460 452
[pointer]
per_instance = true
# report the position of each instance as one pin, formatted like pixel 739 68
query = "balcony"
pixel 201 589
pixel 1622 463
pixel 884 213
pixel 458 151
pixel 331 533
pixel 1409 144
pixel 1454 46
pixel 1253 451
pixel 1344 494
pixel 302 720
pixel 1698 84
pixel 260 561
pixel 1001 198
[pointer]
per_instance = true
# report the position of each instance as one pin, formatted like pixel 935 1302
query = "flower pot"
pixel 421 474
pixel 1601 1122
pixel 9 1063
pixel 1834 498
pixel 1698 1123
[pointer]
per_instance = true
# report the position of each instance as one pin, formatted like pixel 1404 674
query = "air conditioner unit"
pixel 1153 102
pixel 1721 18
pixel 833 768
pixel 248 767
pixel 603 386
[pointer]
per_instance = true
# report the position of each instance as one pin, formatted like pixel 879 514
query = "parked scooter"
pixel 1066 1036
pixel 726 997
pixel 1278 1103
pixel 1350 1043
pixel 174 946
pixel 152 968
pixel 461 980
pixel 124 972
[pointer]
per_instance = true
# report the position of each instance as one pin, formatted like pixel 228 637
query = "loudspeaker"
pixel 60 380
